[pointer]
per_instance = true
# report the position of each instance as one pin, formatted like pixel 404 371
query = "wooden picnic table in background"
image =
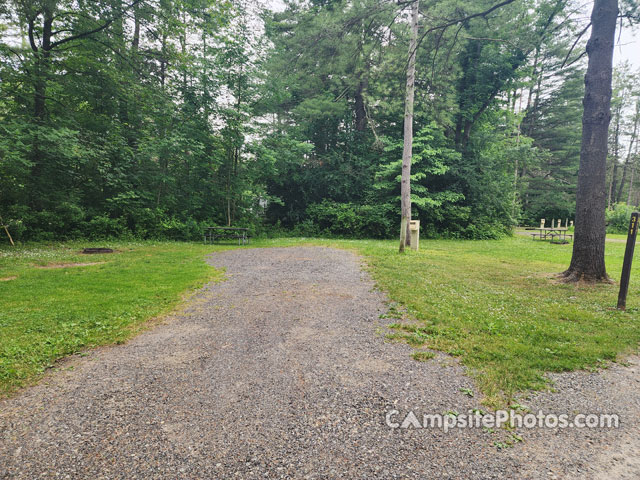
pixel 557 232
pixel 226 232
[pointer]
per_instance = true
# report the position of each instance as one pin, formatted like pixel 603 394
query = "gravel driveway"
pixel 282 371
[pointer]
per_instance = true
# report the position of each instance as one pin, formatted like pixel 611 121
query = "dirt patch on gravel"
pixel 588 453
pixel 280 372
pixel 67 265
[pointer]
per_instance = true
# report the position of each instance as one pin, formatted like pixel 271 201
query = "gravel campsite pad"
pixel 283 371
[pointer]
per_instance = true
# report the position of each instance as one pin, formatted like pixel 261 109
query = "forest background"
pixel 156 118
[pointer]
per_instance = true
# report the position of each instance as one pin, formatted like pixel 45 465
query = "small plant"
pixel 502 445
pixel 422 356
pixel 509 442
pixel 516 438
pixel 522 408
pixel 467 391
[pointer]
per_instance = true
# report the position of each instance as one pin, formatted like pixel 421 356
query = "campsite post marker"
pixel 628 258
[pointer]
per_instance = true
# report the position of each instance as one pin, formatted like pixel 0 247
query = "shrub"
pixel 378 221
pixel 61 223
pixel 145 222
pixel 618 218
pixel 334 218
pixel 102 226
pixel 175 229
pixel 348 220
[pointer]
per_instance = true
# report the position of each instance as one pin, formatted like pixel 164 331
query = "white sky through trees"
pixel 627 42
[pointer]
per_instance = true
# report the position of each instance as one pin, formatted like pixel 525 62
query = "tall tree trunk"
pixel 587 260
pixel 164 63
pixel 613 183
pixel 534 74
pixel 407 151
pixel 361 113
pixel 42 65
pixel 42 55
pixel 135 42
pixel 183 47
pixel 633 172
pixel 616 143
pixel 206 97
pixel 623 180
pixel 123 100
pixel 628 159
pixel 536 102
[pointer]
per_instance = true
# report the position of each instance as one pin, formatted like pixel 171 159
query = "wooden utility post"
pixel 628 259
pixel 407 151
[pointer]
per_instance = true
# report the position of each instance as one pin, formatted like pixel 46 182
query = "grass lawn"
pixel 47 313
pixel 494 305
pixel 618 236
pixel 490 303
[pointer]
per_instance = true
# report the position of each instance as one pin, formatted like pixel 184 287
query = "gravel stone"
pixel 282 371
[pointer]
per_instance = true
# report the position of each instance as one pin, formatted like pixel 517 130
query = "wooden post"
pixel 628 259
pixel 414 227
pixel 407 150
pixel 7 232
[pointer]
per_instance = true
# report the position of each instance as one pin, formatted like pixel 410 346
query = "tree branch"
pixel 32 40
pixel 95 30
pixel 574 45
pixel 463 19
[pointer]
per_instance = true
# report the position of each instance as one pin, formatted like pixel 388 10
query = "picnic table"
pixel 557 234
pixel 213 233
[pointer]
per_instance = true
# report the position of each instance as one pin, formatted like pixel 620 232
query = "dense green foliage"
pixel 154 118
pixel 618 218
pixel 106 117
pixel 349 107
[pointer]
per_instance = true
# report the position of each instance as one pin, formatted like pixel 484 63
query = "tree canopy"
pixel 154 118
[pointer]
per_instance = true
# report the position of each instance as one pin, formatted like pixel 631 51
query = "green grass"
pixel 492 304
pixel 617 236
pixel 422 356
pixel 47 313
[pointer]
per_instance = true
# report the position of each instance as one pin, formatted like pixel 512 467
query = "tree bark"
pixel 407 151
pixel 361 113
pixel 534 78
pixel 628 159
pixel 633 172
pixel 42 54
pixel 587 260
pixel 613 186
pixel 536 102
pixel 135 42
pixel 613 183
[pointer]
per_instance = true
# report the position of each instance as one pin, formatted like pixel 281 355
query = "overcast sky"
pixel 627 45
pixel 628 48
